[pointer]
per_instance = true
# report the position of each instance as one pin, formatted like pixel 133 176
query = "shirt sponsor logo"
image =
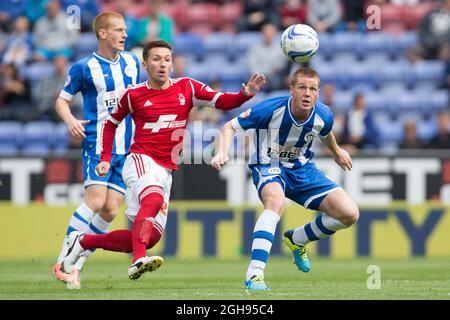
pixel 164 122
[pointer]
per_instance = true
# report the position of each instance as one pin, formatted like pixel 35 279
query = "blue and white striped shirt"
pixel 101 82
pixel 278 136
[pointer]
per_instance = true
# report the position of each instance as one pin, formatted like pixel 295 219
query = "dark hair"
pixel 155 44
pixel 304 71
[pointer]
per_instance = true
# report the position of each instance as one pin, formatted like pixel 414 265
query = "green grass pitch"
pixel 215 279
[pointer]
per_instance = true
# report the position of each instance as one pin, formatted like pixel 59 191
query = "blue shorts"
pixel 305 185
pixel 112 180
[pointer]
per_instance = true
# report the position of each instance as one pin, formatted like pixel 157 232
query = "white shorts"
pixel 140 173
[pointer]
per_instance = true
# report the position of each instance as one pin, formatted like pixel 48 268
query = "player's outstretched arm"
pixel 253 85
pixel 223 145
pixel 75 126
pixel 102 168
pixel 341 157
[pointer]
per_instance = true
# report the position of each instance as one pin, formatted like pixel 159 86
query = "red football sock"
pixel 142 227
pixel 118 240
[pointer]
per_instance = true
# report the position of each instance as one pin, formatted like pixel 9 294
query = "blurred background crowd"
pixel 385 77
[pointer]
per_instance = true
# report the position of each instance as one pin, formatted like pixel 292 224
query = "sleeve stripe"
pixel 129 103
pixel 192 87
pixel 110 118
pixel 65 95
pixel 213 101
pixel 235 124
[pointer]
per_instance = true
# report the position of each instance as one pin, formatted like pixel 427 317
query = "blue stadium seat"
pixel 232 73
pixel 362 87
pixel 317 60
pixel 391 132
pixel 38 71
pixel 358 73
pixel 404 41
pixel 426 129
pixel 377 102
pixel 86 44
pixel 347 41
pixel 8 149
pixel 217 60
pixel 329 73
pixel 438 100
pixel 377 42
pixel 188 42
pixel 427 70
pixel 326 44
pixel 344 58
pixel 277 93
pixel 37 137
pixel 392 86
pixel 343 101
pixel 395 71
pixel 200 71
pixel 243 41
pixel 60 139
pixel 10 137
pixel 377 58
pixel 405 100
pixel 218 42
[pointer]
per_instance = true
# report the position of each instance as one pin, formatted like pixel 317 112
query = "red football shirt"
pixel 160 117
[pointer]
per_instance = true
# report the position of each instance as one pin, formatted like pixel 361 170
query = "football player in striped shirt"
pixel 284 130
pixel 101 78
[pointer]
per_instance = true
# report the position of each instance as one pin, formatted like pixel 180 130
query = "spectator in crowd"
pixel 123 7
pixel 3 38
pixel 292 12
pixel 258 12
pixel 434 33
pixel 34 10
pixel 324 15
pixel 359 129
pixel 48 89
pixel 329 91
pixel 354 16
pixel 15 95
pixel 155 26
pixel 267 58
pixel 51 35
pixel 9 11
pixel 89 9
pixel 18 44
pixel 442 138
pixel 410 139
pixel 179 66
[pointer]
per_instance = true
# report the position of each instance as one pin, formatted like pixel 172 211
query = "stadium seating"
pixel 200 71
pixel 218 42
pixel 187 42
pixel 10 137
pixel 37 138
pixel 372 63
pixel 60 139
pixel 38 71
pixel 85 45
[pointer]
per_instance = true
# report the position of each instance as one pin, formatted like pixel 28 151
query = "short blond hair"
pixel 305 72
pixel 103 21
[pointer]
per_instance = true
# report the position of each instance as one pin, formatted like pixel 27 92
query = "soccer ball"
pixel 299 42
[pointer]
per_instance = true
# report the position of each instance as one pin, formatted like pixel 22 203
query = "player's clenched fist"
pixel 218 161
pixel 102 168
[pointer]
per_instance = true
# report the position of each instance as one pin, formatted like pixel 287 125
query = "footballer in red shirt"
pixel 160 108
